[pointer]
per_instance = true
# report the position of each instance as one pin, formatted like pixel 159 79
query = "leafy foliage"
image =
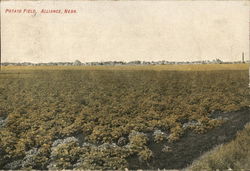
pixel 64 153
pixel 39 107
pixel 159 136
pixel 105 156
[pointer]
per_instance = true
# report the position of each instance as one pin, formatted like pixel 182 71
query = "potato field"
pixel 87 118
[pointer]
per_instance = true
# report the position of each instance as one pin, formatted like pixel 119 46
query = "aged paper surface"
pixel 124 85
pixel 124 30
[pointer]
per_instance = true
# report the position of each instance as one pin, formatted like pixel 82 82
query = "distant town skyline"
pixel 124 31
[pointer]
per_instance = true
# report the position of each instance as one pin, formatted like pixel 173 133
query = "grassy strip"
pixel 234 155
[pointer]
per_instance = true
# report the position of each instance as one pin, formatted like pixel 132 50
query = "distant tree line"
pixel 112 63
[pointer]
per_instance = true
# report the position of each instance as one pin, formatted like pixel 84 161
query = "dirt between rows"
pixel 191 146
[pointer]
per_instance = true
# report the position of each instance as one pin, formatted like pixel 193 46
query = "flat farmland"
pixel 116 117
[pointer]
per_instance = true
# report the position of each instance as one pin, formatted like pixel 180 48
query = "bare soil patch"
pixel 191 146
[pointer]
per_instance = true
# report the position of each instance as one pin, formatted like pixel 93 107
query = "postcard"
pixel 124 85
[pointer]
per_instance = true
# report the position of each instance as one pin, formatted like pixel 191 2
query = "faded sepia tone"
pixel 124 85
pixel 126 30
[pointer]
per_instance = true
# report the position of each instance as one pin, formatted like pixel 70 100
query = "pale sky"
pixel 125 30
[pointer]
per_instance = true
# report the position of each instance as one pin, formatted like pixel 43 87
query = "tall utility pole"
pixel 243 57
